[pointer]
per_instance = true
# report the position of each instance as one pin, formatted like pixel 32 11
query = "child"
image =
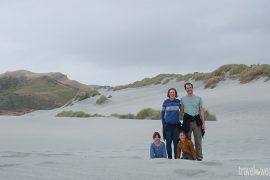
pixel 186 146
pixel 157 148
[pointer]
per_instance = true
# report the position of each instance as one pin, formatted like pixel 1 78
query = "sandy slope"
pixel 41 146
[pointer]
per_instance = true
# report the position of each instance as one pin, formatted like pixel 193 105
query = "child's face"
pixel 182 136
pixel 156 139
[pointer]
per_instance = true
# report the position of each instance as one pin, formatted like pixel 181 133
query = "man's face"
pixel 189 89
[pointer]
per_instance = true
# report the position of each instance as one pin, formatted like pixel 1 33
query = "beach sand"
pixel 40 146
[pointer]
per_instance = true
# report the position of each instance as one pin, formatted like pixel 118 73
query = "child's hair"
pixel 156 134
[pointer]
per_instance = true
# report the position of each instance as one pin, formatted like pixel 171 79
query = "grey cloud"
pixel 101 41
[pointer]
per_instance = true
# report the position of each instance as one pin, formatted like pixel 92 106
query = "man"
pixel 170 121
pixel 194 122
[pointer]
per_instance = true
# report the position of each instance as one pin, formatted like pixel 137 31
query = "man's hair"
pixel 156 134
pixel 188 83
pixel 168 93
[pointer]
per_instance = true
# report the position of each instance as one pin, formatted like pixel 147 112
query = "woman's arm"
pixel 163 114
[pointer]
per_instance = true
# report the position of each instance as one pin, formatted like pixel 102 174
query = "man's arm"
pixel 202 117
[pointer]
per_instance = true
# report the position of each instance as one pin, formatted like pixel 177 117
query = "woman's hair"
pixel 156 134
pixel 168 93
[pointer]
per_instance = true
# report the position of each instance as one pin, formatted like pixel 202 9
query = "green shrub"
pixel 102 99
pixel 124 116
pixel 86 94
pixel 222 69
pixel 232 69
pixel 166 81
pixel 202 76
pixel 187 77
pixel 97 115
pixel 117 88
pixel 179 77
pixel 80 114
pixel 72 114
pixel 148 113
pixel 83 95
pixel 212 82
pixel 209 116
pixel 238 69
pixel 255 72
pixel 266 69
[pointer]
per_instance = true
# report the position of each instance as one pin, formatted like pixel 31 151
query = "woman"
pixel 170 121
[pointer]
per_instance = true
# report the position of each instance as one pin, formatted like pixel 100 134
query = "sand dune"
pixel 40 146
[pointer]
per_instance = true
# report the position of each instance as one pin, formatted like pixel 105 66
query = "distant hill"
pixel 242 72
pixel 24 91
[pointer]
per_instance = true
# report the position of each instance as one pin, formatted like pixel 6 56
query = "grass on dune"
pixel 102 100
pixel 154 114
pixel 80 114
pixel 242 72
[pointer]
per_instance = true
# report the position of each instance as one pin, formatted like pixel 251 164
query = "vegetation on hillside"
pixel 242 72
pixel 22 92
pixel 81 95
pixel 19 94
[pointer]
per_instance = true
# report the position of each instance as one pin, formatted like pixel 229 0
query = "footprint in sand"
pixel 47 163
pixel 189 172
pixel 122 157
pixel 8 165
pixel 14 154
pixel 55 154
pixel 211 163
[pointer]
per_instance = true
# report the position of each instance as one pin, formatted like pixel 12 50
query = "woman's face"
pixel 172 94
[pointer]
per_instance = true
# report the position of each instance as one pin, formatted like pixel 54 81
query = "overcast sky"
pixel 111 42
